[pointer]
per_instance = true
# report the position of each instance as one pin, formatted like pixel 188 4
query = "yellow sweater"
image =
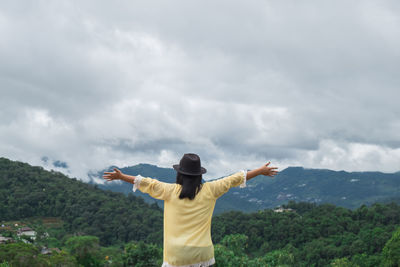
pixel 187 223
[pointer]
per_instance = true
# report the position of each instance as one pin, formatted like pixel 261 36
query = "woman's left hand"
pixel 115 175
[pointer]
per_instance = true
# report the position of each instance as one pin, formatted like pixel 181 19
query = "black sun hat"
pixel 190 165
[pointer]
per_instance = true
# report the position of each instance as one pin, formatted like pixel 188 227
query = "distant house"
pixel 49 251
pixel 4 240
pixel 45 251
pixel 5 227
pixel 282 210
pixel 26 231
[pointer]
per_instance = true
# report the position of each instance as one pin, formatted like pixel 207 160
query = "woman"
pixel 188 208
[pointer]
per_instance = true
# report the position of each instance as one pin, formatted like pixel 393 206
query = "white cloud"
pixel 298 83
pixel 353 156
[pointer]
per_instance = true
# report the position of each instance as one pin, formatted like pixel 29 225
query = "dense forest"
pixel 88 226
pixel 27 191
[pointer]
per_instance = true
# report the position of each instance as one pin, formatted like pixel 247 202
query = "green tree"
pixel 62 259
pixel 225 257
pixel 236 243
pixel 279 258
pixel 342 262
pixel 391 251
pixel 112 256
pixel 85 249
pixel 21 255
pixel 366 260
pixel 140 254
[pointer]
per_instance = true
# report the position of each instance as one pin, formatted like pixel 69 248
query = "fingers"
pixel 270 171
pixel 108 177
pixel 111 176
pixel 115 171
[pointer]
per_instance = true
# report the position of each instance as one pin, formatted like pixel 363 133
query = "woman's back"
pixel 188 208
pixel 187 223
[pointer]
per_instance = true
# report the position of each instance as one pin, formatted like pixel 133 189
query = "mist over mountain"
pixel 346 189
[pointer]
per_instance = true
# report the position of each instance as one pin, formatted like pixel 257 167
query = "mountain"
pixel 345 189
pixel 147 170
pixel 227 202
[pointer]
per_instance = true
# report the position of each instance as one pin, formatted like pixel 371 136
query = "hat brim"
pixel 177 168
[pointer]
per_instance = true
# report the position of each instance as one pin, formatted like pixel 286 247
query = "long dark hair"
pixel 191 185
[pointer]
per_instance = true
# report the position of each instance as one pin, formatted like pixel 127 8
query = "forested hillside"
pixel 27 191
pixel 100 228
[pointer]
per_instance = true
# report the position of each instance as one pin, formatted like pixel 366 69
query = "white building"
pixel 4 240
pixel 282 210
pixel 26 231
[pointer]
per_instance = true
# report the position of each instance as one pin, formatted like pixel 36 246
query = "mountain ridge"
pixel 346 189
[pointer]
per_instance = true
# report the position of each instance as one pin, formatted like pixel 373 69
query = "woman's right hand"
pixel 115 175
pixel 268 171
pixel 263 170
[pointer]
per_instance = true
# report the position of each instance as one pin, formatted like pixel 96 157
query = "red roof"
pixel 25 229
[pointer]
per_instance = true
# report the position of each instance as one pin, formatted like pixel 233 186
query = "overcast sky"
pixel 99 83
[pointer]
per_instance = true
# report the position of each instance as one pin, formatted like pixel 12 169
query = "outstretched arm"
pixel 118 175
pixel 153 187
pixel 221 186
pixel 263 170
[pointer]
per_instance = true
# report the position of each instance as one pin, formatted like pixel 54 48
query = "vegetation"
pixel 27 191
pixel 391 251
pixel 87 226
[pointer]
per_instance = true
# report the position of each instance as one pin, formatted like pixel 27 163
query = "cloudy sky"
pixel 305 83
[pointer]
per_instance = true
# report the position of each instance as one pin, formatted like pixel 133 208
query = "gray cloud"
pixel 98 83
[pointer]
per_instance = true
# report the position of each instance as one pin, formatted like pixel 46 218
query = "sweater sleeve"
pixel 221 186
pixel 153 187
